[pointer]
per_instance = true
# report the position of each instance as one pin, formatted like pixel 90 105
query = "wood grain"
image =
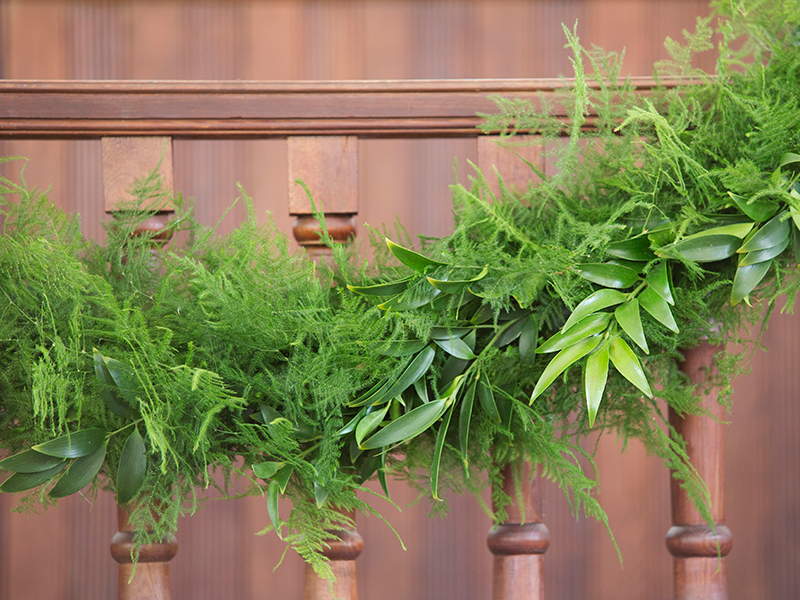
pixel 127 159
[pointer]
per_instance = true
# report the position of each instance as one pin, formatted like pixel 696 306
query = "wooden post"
pixel 699 552
pixel 151 578
pixel 126 159
pixel 518 548
pixel 344 548
pixel 328 166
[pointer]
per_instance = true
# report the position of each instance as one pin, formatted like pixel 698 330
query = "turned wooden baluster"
pixel 699 552
pixel 344 548
pixel 328 165
pixel 125 160
pixel 518 548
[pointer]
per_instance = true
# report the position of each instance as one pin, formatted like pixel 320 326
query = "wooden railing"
pixel 322 123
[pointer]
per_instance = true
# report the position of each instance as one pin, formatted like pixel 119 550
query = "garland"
pixel 143 373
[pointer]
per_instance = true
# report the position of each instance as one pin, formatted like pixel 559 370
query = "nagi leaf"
pixel 562 361
pixel 758 256
pixel 437 452
pixel 406 348
pixel 587 327
pixel 410 299
pixel 627 363
pixel 369 423
pixel 73 445
pixel 282 477
pixel 411 259
pixel 510 332
pixel 418 367
pixel 448 333
pixel 746 280
pixel 658 308
pixel 759 211
pixel 267 469
pixel 408 426
pixel 528 338
pixel 486 398
pixel 132 467
pixel 273 495
pixel 80 473
pixel 607 275
pixel 594 302
pixel 456 347
pixel 635 249
pixel 381 289
pixel 627 315
pixel 595 378
pixel 29 461
pixel 465 418
pixel 453 287
pixel 775 232
pixel 19 482
pixel 706 248
pixel 659 281
pixel 320 494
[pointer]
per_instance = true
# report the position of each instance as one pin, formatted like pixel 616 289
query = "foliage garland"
pixel 142 373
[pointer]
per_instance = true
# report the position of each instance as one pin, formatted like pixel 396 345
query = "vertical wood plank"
pixel 700 564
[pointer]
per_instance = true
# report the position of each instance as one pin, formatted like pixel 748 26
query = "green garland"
pixel 143 373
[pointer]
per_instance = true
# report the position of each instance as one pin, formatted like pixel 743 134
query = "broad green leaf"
pixel 73 445
pixel 453 287
pixel 759 211
pixel 659 280
pixel 444 301
pixel 586 327
pixel 407 427
pixel 29 461
pixel 790 159
pixel 273 494
pixel 772 234
pixel 375 391
pixel 528 338
pixel 627 363
pixel 796 245
pixel 464 420
pixel 456 347
pixel 355 451
pixel 418 367
pixel 350 426
pixel 483 314
pixel 658 308
pixel 752 258
pixel 381 289
pixel 706 248
pixel 796 218
pixel 382 474
pixel 320 494
pixel 628 317
pixel 739 230
pixel 448 333
pixel 510 332
pixel 635 249
pixel 282 477
pixel 595 378
pixel 110 395
pixel 612 276
pixel 421 388
pixel 486 398
pixel 746 280
pixel 592 303
pixel 371 464
pixel 370 423
pixel 562 361
pixel 406 348
pixel 132 467
pixel 80 473
pixel 412 259
pixel 410 299
pixel 267 469
pixel 453 367
pixel 19 482
pixel 437 452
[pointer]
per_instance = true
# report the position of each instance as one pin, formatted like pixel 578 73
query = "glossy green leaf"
pixel 29 461
pixel 456 347
pixel 752 258
pixel 510 332
pixel 350 426
pixel 595 378
pixel 795 218
pixel 80 473
pixel 455 286
pixel 592 303
pixel 73 445
pixel 453 367
pixel 790 159
pixel 464 420
pixel 320 494
pixel 628 317
pixel 562 361
pixel 375 391
pixel 19 482
pixel 739 230
pixel 410 299
pixel 448 333
pixel 483 314
pixel 382 474
pixel 369 423
pixel 273 495
pixel 612 276
pixel 110 395
pixel 528 338
pixel 407 427
pixel 437 452
pixel 635 249
pixel 418 367
pixel 707 248
pixel 267 469
pixel 381 289
pixel 759 211
pixel 132 467
pixel 659 280
pixel 627 363
pixel 486 398
pixel 746 280
pixel 406 348
pixel 282 477
pixel 775 232
pixel 411 259
pixel 586 327
pixel 421 388
pixel 658 308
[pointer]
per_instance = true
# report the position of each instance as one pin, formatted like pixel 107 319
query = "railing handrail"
pixel 74 109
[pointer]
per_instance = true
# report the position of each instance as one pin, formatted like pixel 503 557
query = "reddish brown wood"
pixel 507 161
pixel 699 551
pixel 126 159
pixel 208 109
pixel 344 548
pixel 150 580
pixel 518 547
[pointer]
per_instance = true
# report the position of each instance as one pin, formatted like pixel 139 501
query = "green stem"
pixel 113 433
